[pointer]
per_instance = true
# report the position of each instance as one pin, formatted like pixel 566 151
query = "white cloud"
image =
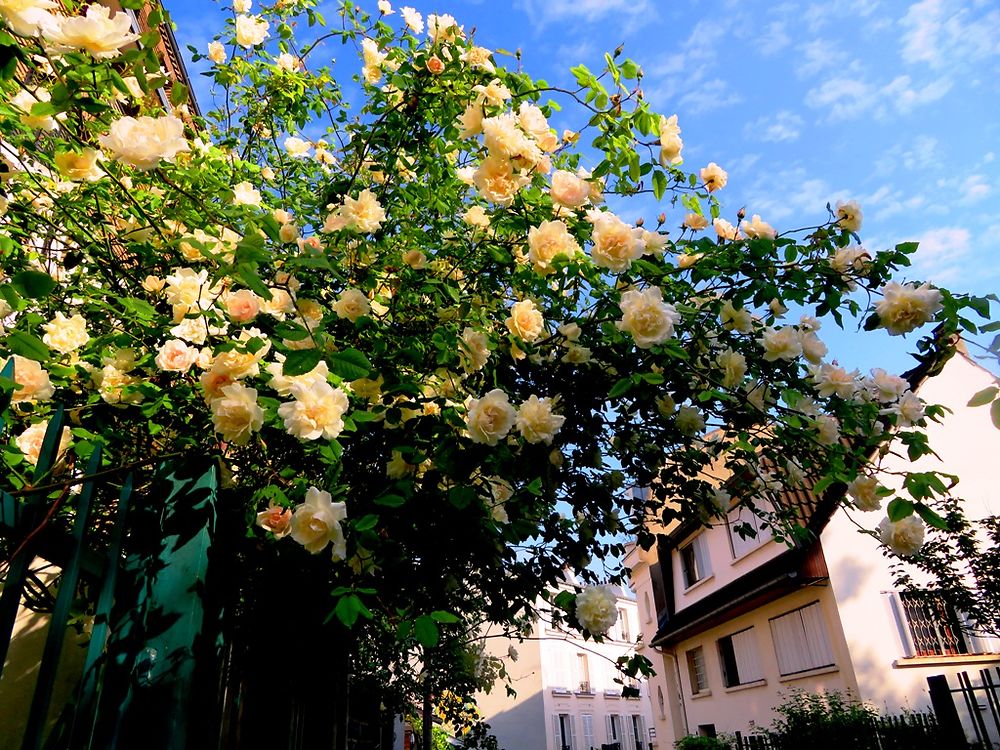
pixel 818 55
pixel 921 153
pixel 627 14
pixel 709 96
pixel 942 253
pixel 848 98
pixel 942 33
pixel 773 39
pixel 976 188
pixel 783 194
pixel 783 126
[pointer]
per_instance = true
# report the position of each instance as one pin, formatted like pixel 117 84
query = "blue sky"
pixel 893 104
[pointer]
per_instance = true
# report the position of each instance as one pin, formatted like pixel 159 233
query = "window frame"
pixel 698 546
pixel 729 662
pixel 696 687
pixel 823 633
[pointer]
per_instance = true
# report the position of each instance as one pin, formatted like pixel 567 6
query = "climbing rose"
pixel 596 610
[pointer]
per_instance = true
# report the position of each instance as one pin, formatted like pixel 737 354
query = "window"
pixel 623 624
pixel 636 732
pixel 747 532
pixel 615 729
pixel 933 625
pixel 588 731
pixel 583 672
pixel 662 703
pixel 695 564
pixel 647 606
pixel 564 732
pixel 800 640
pixel 641 494
pixel 696 670
pixel 738 654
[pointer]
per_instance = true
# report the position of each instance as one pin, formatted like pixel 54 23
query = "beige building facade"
pixel 736 623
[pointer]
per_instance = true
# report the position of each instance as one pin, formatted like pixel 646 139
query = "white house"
pixel 733 623
pixel 567 698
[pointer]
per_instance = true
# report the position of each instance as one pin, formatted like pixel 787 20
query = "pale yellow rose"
pixel 714 177
pixel 904 537
pixel 781 343
pixel 569 190
pixel 537 422
pixel 525 321
pixel 758 228
pixel 143 142
pixel 547 241
pixel 176 356
pixel 217 52
pixel 864 492
pixel 616 244
pixel 251 30
pixel 79 165
pixel 351 304
pixel 236 415
pixel 904 307
pixel 596 609
pixel 30 441
pixel 670 141
pixel 695 222
pixel 496 180
pixel 474 350
pixel 26 17
pixel 489 418
pixel 317 411
pixel 98 32
pixel 66 334
pixel 647 317
pixel 733 366
pixel 849 215
pixel 316 523
pixel 242 306
pixel 33 379
pixel 24 100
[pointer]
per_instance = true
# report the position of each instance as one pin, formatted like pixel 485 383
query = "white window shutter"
pixel 817 642
pixel 902 626
pixel 745 651
pixel 556 734
pixel 702 559
pixel 610 729
pixel 572 733
pixel 631 732
pixel 588 731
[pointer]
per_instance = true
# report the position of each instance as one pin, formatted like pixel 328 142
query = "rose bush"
pixel 421 322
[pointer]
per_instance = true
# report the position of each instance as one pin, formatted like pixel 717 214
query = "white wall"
pixel 969 446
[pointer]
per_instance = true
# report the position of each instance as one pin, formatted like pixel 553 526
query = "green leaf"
pixel 301 361
pixel 27 345
pixel 659 184
pixel 995 414
pixel 899 509
pixel 367 522
pixel 426 631
pixel 460 497
pixel 390 501
pixel 984 396
pixel 33 284
pixel 441 616
pixel 348 609
pixel 620 388
pixel 178 94
pixel 930 517
pixel 350 364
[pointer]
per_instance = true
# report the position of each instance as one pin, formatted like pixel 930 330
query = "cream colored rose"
pixel 827 429
pixel 288 233
pixel 364 213
pixel 470 122
pixel 30 442
pixel 759 228
pixel 242 6
pixel 596 609
pixel 316 523
pixel 283 383
pixel 689 420
pixel 443 28
pixel 733 366
pixel 317 411
pixel 176 356
pixel 616 244
pixel 833 380
pixel 251 30
pixel 726 231
pixel 280 304
pixel 670 141
pixel 569 190
pixel 245 194
pixel 547 241
pixel 398 467
pixel 33 379
pixel 904 307
pixel 714 177
pixel 26 17
pixel 647 317
pixel 525 321
pixel 909 410
pixel 236 414
pixel 474 350
pixel 476 217
pixel 79 166
pixel 489 418
pixel 66 334
pixel 813 349
pixel 864 492
pixel 695 222
pixel 98 32
pixel 217 52
pixel 188 288
pixel 849 215
pixel 297 147
pixel 287 62
pixel 537 422
pixel 413 19
pixel 735 319
pixel 478 58
pixel 904 537
pixel 884 386
pixel 415 259
pixel 496 180
pixel 577 355
pixel 117 387
pixel 24 100
pixel 781 343
pixel 143 142
pixel 351 304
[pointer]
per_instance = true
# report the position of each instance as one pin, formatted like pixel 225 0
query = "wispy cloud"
pixel 942 33
pixel 627 13
pixel 848 98
pixel 710 96
pixel 782 126
pixel 942 253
